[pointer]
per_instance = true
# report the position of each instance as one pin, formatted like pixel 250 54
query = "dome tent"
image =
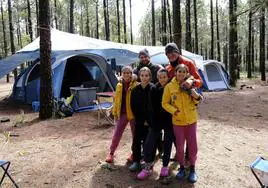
pixel 75 60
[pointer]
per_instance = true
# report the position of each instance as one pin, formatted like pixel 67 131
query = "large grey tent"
pixel 76 60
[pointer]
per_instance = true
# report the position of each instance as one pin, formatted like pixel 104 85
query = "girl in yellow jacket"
pixel 183 108
pixel 122 110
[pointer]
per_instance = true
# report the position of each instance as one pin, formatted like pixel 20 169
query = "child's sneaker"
pixel 144 174
pixel 164 172
pixel 180 175
pixel 134 167
pixel 130 158
pixel 109 158
pixel 192 178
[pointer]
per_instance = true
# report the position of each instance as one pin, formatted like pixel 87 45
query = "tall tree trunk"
pixel 11 34
pixel 45 62
pixel 233 43
pixel 55 14
pixel 252 49
pixel 225 56
pixel 164 23
pixel 160 30
pixel 218 32
pixel 212 30
pixel 188 37
pixel 18 29
pixel 106 20
pixel 37 17
pixel 131 34
pixel 4 35
pixel 195 29
pixel 153 24
pixel 87 20
pixel 71 25
pixel 97 19
pixel 118 21
pixel 262 44
pixel 125 24
pixel 177 22
pixel 30 20
pixel 249 75
pixel 4 29
pixel 169 22
pixel 81 21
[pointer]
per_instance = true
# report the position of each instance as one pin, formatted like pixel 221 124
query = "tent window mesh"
pixel 213 73
pixel 35 73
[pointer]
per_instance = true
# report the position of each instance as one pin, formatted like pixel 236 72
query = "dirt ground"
pixel 232 132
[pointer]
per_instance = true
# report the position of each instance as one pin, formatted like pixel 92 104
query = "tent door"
pixel 32 84
pixel 215 79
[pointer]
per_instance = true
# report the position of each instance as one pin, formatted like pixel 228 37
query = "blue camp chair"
pixel 5 166
pixel 260 168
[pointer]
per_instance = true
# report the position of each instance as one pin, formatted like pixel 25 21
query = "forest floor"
pixel 232 132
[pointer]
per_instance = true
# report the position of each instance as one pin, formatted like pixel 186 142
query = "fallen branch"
pixel 227 148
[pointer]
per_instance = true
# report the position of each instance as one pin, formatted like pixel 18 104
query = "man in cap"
pixel 145 61
pixel 174 57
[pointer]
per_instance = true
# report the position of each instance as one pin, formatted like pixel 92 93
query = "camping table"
pixel 102 109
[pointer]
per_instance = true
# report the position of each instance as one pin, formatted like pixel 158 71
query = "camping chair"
pixel 5 166
pixel 105 105
pixel 260 168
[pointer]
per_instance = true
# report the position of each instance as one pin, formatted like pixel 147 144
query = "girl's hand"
pixel 177 112
pixel 194 94
pixel 188 83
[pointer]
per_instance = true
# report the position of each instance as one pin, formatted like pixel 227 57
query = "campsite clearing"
pixel 69 152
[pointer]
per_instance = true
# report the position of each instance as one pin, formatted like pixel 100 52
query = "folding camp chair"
pixel 105 106
pixel 260 168
pixel 5 166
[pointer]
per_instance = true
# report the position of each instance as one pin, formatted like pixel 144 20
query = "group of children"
pixel 153 108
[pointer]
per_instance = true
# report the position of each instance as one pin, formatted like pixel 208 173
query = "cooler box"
pixel 83 97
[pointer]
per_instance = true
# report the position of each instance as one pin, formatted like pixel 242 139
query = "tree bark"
pixel 71 25
pixel 45 62
pixel 262 44
pixel 97 19
pixel 106 21
pixel 153 24
pixel 30 20
pixel 4 30
pixel 169 22
pixel 18 29
pixel 11 34
pixel 55 14
pixel 212 30
pixel 188 37
pixel 81 21
pixel 195 28
pixel 37 17
pixel 124 17
pixel 4 35
pixel 233 43
pixel 164 23
pixel 177 22
pixel 118 21
pixel 218 32
pixel 131 34
pixel 87 20
pixel 252 49
pixel 225 56
pixel 249 60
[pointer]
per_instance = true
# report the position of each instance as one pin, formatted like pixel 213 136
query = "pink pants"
pixel 118 131
pixel 188 134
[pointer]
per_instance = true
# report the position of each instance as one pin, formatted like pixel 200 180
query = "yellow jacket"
pixel 118 99
pixel 174 98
